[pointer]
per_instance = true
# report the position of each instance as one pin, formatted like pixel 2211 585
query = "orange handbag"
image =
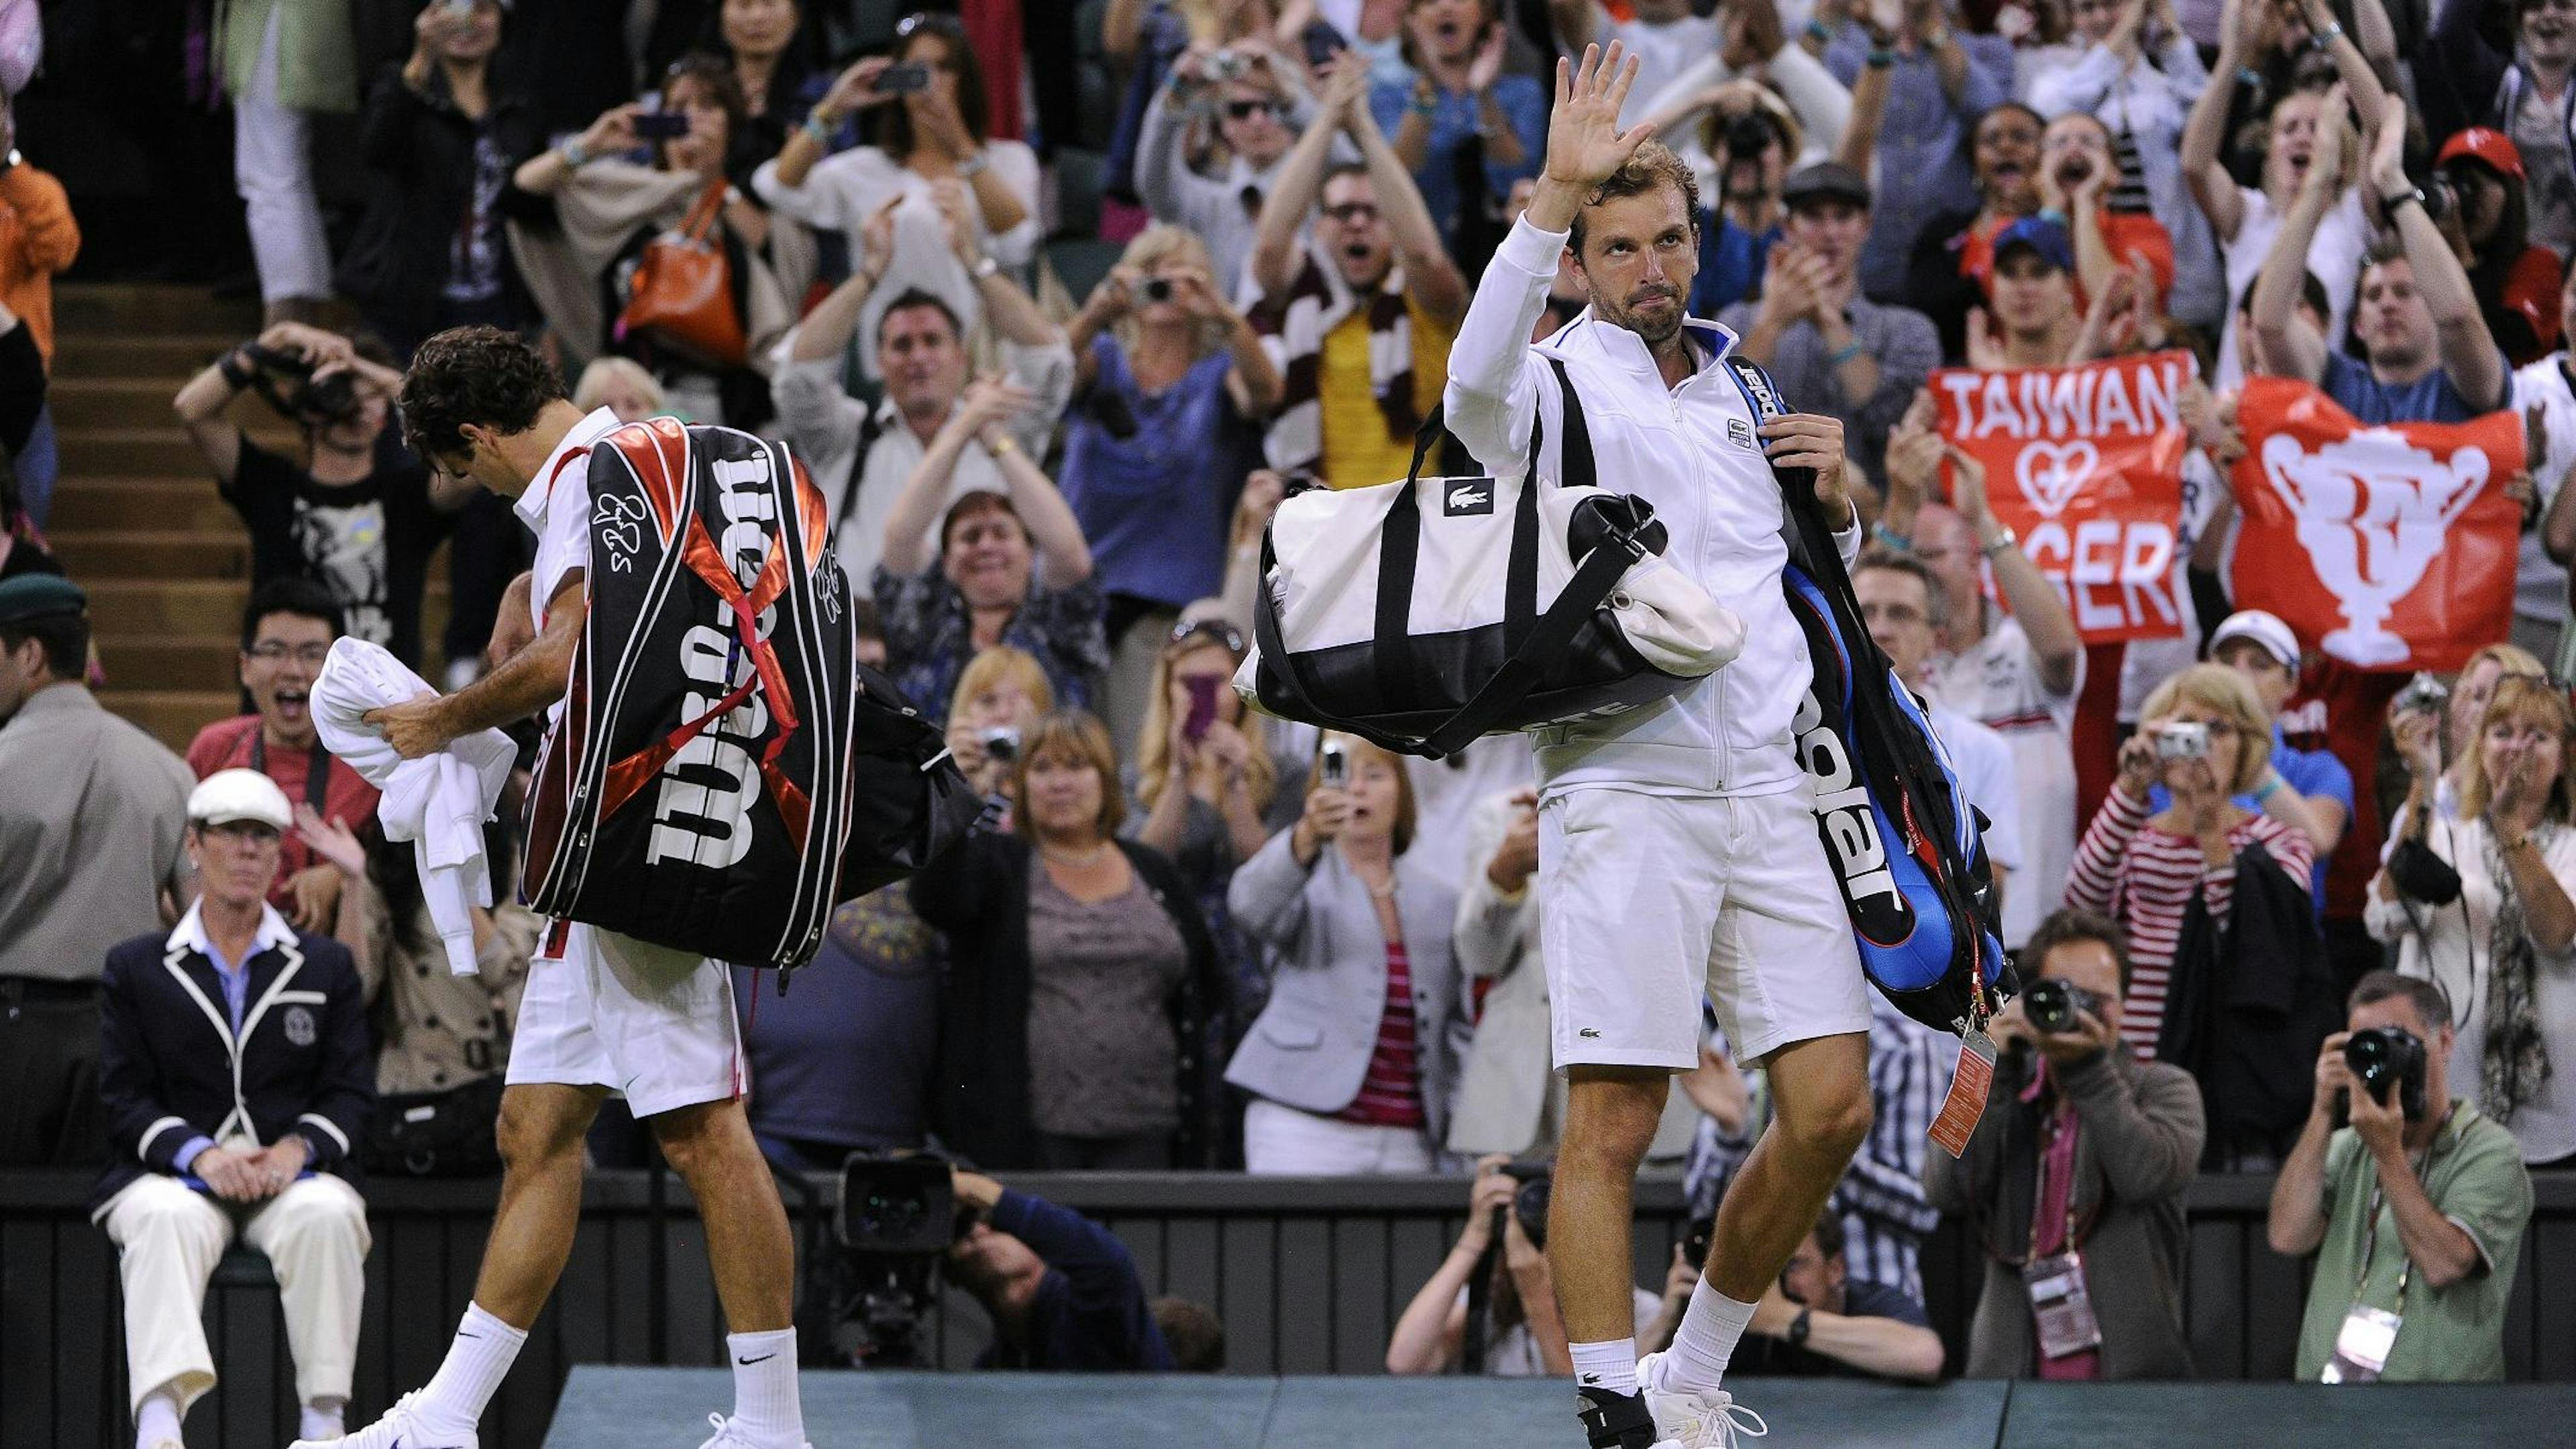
pixel 681 291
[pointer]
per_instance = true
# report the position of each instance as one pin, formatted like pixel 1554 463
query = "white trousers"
pixel 169 1239
pixel 1285 1142
pixel 275 180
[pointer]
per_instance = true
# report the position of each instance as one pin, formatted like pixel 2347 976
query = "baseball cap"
pixel 2478 143
pixel 2263 628
pixel 2044 237
pixel 1825 181
pixel 33 596
pixel 227 796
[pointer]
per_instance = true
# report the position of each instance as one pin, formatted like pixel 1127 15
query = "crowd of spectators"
pixel 1183 936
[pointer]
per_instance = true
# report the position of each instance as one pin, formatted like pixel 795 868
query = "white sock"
pixel 477 1361
pixel 321 1420
pixel 765 1408
pixel 156 1419
pixel 1610 1364
pixel 1711 1327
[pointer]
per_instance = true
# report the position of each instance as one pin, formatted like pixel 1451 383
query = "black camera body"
pixel 286 380
pixel 2386 1058
pixel 2055 1006
pixel 898 1217
pixel 1537 1180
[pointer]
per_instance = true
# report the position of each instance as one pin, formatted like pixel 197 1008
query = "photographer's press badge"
pixel 1967 1100
pixel 2061 1305
pixel 2361 1347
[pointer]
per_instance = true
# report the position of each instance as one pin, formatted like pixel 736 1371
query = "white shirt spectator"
pixel 1997 683
pixel 1663 52
pixel 2335 259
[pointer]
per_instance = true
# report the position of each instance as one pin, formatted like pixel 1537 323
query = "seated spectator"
pixel 1352 1064
pixel 1070 1044
pixel 1523 1337
pixel 1818 1321
pixel 1002 696
pixel 923 137
pixel 2075 1177
pixel 1358 316
pixel 2508 865
pixel 1664 35
pixel 441 138
pixel 860 456
pixel 1465 128
pixel 1063 1291
pixel 2415 1210
pixel 623 387
pixel 1011 567
pixel 1173 383
pixel 1935 154
pixel 286 634
pixel 2150 870
pixel 2516 282
pixel 2078 170
pixel 2508 66
pixel 1829 347
pixel 245 1131
pixel 1944 273
pixel 92 815
pixel 1146 39
pixel 2138 73
pixel 357 517
pixel 1256 117
pixel 609 209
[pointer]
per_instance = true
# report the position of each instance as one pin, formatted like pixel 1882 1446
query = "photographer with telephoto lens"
pixel 2416 1209
pixel 1505 1243
pixel 358 516
pixel 1064 1293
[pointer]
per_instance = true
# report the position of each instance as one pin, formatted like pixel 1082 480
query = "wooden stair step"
pixel 157 501
pixel 173 357
pixel 172 661
pixel 172 716
pixel 132 308
pixel 140 553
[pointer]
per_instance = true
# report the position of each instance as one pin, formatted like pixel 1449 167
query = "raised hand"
pixel 1967 484
pixel 1584 142
pixel 855 89
pixel 876 239
pixel 1487 67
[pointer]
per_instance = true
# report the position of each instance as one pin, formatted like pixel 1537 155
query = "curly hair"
pixel 1651 168
pixel 472 375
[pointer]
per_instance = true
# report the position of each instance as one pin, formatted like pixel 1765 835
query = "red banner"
pixel 2390 547
pixel 2085 463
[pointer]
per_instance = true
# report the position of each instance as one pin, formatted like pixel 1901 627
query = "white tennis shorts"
pixel 1650 903
pixel 651 1024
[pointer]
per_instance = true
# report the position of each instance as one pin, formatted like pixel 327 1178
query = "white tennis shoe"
pixel 728 1437
pixel 1709 1420
pixel 400 1428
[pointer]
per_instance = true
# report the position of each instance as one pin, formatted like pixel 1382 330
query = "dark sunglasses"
pixel 1246 110
pixel 1214 630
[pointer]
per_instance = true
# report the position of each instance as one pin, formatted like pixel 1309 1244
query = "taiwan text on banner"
pixel 2386 547
pixel 2085 463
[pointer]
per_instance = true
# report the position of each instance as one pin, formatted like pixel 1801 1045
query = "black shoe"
pixel 1614 1420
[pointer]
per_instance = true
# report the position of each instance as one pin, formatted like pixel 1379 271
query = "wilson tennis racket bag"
pixel 1899 833
pixel 1424 613
pixel 724 773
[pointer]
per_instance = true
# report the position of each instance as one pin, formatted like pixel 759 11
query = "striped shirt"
pixel 1391 1093
pixel 2144 878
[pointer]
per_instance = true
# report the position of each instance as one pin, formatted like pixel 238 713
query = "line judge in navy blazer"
pixel 236 1076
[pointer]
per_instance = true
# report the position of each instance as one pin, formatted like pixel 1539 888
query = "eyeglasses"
pixel 277 651
pixel 1215 631
pixel 1246 110
pixel 1352 213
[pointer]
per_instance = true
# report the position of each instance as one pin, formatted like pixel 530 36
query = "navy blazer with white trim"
pixel 170 1069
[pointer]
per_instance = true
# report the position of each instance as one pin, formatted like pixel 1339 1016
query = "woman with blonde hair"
pixel 1001 695
pixel 1083 973
pixel 2483 904
pixel 621 385
pixel 1170 386
pixel 2202 734
pixel 2459 716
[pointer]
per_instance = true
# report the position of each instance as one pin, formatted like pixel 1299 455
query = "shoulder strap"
pixel 1574 468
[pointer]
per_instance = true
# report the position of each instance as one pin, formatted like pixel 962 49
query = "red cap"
pixel 2490 146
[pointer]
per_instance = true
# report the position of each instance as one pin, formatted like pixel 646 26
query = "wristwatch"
pixel 2388 204
pixel 973 166
pixel 2004 538
pixel 1798 1329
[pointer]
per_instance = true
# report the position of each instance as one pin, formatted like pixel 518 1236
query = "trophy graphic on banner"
pixel 2373 510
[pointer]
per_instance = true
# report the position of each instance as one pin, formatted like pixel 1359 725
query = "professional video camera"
pixel 899 1215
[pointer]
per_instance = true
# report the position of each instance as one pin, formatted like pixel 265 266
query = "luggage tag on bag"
pixel 1966 1103
pixel 2361 1347
pixel 2061 1305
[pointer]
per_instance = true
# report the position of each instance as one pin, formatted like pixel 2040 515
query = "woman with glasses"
pixel 927 105
pixel 1171 383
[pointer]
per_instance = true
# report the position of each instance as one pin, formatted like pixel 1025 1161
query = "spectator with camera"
pixel 1063 1292
pixel 1940 80
pixel 1000 698
pixel 356 516
pixel 2507 66
pixel 2413 1200
pixel 860 457
pixel 2481 906
pixel 1818 1321
pixel 2458 713
pixel 1255 116
pixel 1505 1244
pixel 1072 1043
pixel 92 817
pixel 251 1133
pixel 1173 384
pixel 1753 142
pixel 1358 315
pixel 1352 1064
pixel 287 631
pixel 2075 1176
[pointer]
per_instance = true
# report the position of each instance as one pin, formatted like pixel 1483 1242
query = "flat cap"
pixel 30 596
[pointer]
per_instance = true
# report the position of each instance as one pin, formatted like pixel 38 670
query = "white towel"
pixel 438 802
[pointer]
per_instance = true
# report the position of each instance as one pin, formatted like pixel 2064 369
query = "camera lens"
pixel 2050 1005
pixel 1158 289
pixel 1746 135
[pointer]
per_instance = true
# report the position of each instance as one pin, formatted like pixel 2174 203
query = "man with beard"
pixel 1678 854
pixel 2429 355
pixel 1358 316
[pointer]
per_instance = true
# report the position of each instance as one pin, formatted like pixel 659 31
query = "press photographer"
pixel 2415 1209
pixel 1492 1304
pixel 1063 1291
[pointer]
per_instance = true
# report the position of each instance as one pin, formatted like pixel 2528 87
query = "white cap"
pixel 230 795
pixel 2263 628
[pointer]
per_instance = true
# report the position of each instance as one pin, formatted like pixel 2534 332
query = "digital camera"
pixel 2423 694
pixel 2383 1058
pixel 2182 740
pixel 2056 1006
pixel 1537 1180
pixel 1001 743
pixel 293 391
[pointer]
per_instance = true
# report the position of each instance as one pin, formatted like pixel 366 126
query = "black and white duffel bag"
pixel 1422 614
